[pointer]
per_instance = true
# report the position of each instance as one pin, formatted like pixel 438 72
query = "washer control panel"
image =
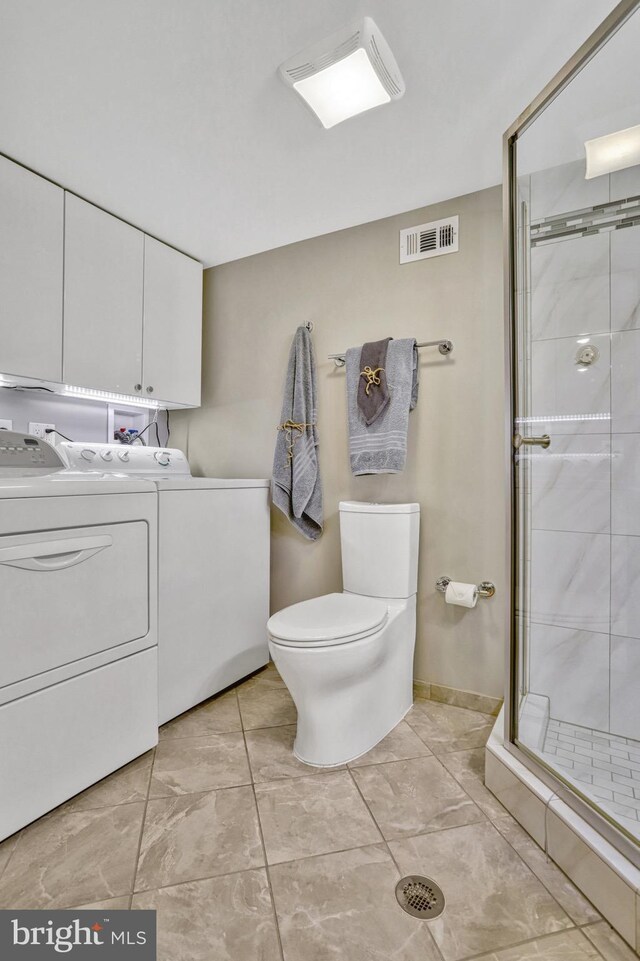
pixel 125 459
pixel 26 454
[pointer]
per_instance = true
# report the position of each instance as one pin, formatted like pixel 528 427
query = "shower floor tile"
pixel 605 766
pixel 237 802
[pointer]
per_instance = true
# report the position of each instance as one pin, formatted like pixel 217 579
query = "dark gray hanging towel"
pixel 296 485
pixel 373 393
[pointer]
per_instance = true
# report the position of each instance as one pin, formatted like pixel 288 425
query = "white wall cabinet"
pixel 132 310
pixel 89 301
pixel 172 327
pixel 31 258
pixel 103 284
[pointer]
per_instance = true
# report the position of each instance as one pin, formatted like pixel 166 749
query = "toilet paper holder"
pixel 484 589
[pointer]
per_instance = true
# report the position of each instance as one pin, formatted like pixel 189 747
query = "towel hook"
pixel 309 325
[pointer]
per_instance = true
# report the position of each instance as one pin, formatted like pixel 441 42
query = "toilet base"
pixel 350 696
pixel 341 764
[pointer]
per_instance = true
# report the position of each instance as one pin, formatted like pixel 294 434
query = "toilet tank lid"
pixel 329 617
pixel 363 507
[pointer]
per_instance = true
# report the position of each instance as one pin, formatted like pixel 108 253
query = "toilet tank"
pixel 379 548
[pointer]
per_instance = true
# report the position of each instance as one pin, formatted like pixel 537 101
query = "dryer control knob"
pixel 87 454
pixel 123 455
pixel 163 459
pixel 106 455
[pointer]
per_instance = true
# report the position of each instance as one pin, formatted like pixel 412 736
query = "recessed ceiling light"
pixel 615 151
pixel 351 71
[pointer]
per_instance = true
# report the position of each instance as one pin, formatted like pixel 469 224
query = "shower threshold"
pixel 606 874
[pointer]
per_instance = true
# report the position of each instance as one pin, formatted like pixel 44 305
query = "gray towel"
pixel 373 393
pixel 296 486
pixel 382 447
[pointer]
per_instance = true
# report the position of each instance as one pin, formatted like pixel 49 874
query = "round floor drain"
pixel 420 897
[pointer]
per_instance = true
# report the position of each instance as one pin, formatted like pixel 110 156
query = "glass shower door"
pixel 576 345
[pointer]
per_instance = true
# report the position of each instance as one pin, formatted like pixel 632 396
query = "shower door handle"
pixel 543 441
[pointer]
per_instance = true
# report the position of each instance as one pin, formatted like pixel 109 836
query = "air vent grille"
pixel 339 52
pixel 429 240
pixel 393 88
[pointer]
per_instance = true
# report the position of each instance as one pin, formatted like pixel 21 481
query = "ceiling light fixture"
pixel 615 151
pixel 349 72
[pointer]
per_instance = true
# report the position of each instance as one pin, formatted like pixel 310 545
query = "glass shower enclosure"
pixel 572 234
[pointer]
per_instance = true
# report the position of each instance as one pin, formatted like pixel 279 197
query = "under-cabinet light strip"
pixel 107 395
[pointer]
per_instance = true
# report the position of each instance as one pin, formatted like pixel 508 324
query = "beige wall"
pixel 351 286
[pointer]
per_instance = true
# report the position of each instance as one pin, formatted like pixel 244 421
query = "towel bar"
pixel 444 346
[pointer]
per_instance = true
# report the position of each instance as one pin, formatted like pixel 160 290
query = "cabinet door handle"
pixel 149 390
pixel 137 386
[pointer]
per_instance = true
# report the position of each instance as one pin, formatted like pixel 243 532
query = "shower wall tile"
pixel 625 278
pixel 570 287
pixel 625 484
pixel 570 484
pixel 569 580
pixel 625 183
pixel 568 667
pixel 625 703
pixel 562 387
pixel 625 586
pixel 583 641
pixel 625 381
pixel 563 188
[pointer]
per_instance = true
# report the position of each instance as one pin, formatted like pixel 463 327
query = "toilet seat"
pixel 328 620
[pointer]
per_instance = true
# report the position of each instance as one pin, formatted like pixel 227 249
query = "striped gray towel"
pixel 296 488
pixel 382 447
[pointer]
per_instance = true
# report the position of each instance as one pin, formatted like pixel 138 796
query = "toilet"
pixel 347 659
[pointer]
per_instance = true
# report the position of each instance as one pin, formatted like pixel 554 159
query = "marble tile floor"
pixel 605 766
pixel 249 855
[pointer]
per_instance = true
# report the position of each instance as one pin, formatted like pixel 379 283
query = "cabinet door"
pixel 103 280
pixel 172 325
pixel 31 244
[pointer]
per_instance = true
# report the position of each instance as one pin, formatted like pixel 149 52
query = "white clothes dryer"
pixel 78 634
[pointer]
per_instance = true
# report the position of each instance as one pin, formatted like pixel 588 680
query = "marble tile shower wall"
pixel 584 554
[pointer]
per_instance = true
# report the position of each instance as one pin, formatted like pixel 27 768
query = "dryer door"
pixel 66 594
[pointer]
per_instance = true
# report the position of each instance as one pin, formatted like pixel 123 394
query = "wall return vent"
pixel 429 240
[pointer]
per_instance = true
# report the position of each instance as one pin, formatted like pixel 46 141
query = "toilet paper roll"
pixel 463 595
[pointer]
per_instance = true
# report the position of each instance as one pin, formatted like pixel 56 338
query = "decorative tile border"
pixel 614 215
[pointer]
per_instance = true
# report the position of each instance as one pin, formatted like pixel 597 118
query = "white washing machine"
pixel 213 570
pixel 78 628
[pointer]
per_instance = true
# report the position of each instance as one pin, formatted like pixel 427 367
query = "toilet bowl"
pixel 347 659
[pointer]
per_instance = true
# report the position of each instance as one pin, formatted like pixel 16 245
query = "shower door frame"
pixel 553 780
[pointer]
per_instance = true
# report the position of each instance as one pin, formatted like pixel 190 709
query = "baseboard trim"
pixel 457 697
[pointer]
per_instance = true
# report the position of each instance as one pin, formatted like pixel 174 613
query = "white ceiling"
pixel 603 98
pixel 170 113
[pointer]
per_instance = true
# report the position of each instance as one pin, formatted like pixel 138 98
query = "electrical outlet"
pixel 38 430
pixel 6 425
